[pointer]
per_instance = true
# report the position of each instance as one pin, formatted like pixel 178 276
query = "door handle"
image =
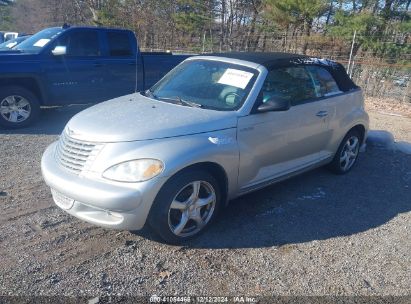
pixel 322 114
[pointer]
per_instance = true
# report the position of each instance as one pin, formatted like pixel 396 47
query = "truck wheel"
pixel 185 206
pixel 18 107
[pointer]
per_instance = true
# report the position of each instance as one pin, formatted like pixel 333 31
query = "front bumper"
pixel 98 201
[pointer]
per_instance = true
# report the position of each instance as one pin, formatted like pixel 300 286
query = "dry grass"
pixel 390 106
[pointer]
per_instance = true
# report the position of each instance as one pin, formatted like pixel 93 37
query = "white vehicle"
pixel 5 36
pixel 10 35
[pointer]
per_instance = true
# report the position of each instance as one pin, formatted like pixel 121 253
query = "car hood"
pixel 135 117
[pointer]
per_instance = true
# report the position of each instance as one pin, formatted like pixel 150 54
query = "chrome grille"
pixel 76 155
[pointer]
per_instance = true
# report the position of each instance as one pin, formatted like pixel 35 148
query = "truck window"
pixel 81 44
pixel 119 44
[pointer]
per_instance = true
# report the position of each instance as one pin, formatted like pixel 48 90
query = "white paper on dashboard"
pixel 236 78
pixel 41 42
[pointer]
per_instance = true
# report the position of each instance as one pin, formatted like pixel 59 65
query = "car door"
pixel 78 76
pixel 120 63
pixel 274 144
pixel 333 100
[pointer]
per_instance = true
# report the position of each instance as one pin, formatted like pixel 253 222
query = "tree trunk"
pixel 251 30
pixel 386 11
pixel 222 25
pixel 308 23
pixel 330 11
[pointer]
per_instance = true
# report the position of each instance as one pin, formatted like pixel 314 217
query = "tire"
pixel 177 215
pixel 19 107
pixel 347 153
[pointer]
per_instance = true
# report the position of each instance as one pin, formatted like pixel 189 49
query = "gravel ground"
pixel 316 234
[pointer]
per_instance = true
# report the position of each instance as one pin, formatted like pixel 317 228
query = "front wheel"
pixel 185 206
pixel 347 153
pixel 18 107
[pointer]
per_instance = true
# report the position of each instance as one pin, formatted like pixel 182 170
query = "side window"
pixel 81 44
pixel 324 82
pixel 291 83
pixel 119 44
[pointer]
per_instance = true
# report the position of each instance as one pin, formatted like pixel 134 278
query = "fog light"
pixel 61 200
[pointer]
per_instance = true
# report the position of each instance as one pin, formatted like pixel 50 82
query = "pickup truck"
pixel 4 36
pixel 74 65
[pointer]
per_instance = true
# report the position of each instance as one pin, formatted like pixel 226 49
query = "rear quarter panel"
pixel 347 112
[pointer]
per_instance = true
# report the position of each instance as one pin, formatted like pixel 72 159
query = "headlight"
pixel 138 170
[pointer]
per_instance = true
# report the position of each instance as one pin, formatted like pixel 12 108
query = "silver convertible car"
pixel 214 128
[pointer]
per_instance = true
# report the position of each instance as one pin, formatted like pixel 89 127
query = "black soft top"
pixel 276 60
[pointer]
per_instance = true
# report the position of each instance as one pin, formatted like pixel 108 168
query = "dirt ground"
pixel 388 106
pixel 316 234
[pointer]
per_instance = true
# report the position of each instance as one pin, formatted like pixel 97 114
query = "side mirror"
pixel 59 51
pixel 274 104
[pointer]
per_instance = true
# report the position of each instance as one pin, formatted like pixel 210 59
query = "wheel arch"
pixel 28 83
pixel 360 128
pixel 216 170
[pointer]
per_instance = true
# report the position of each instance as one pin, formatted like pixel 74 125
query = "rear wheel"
pixel 18 107
pixel 347 153
pixel 185 206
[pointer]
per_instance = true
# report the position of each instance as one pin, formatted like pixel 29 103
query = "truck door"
pixel 120 63
pixel 156 65
pixel 79 75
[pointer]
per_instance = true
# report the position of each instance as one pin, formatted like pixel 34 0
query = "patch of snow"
pixel 385 139
pixel 94 300
pixel 276 210
pixel 404 147
pixel 313 60
pixel 316 195
pixel 292 203
pixel 380 138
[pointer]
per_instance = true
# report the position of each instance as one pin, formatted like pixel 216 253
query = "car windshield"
pixel 8 44
pixel 11 43
pixel 207 84
pixel 38 41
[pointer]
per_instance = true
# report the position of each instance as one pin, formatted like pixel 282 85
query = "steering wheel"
pixel 233 96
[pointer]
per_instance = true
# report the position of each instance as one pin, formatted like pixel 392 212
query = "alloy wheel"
pixel 349 153
pixel 192 208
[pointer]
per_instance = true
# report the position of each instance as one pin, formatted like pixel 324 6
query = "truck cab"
pixel 74 65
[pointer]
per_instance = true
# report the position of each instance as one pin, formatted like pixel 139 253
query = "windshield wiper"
pixel 181 101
